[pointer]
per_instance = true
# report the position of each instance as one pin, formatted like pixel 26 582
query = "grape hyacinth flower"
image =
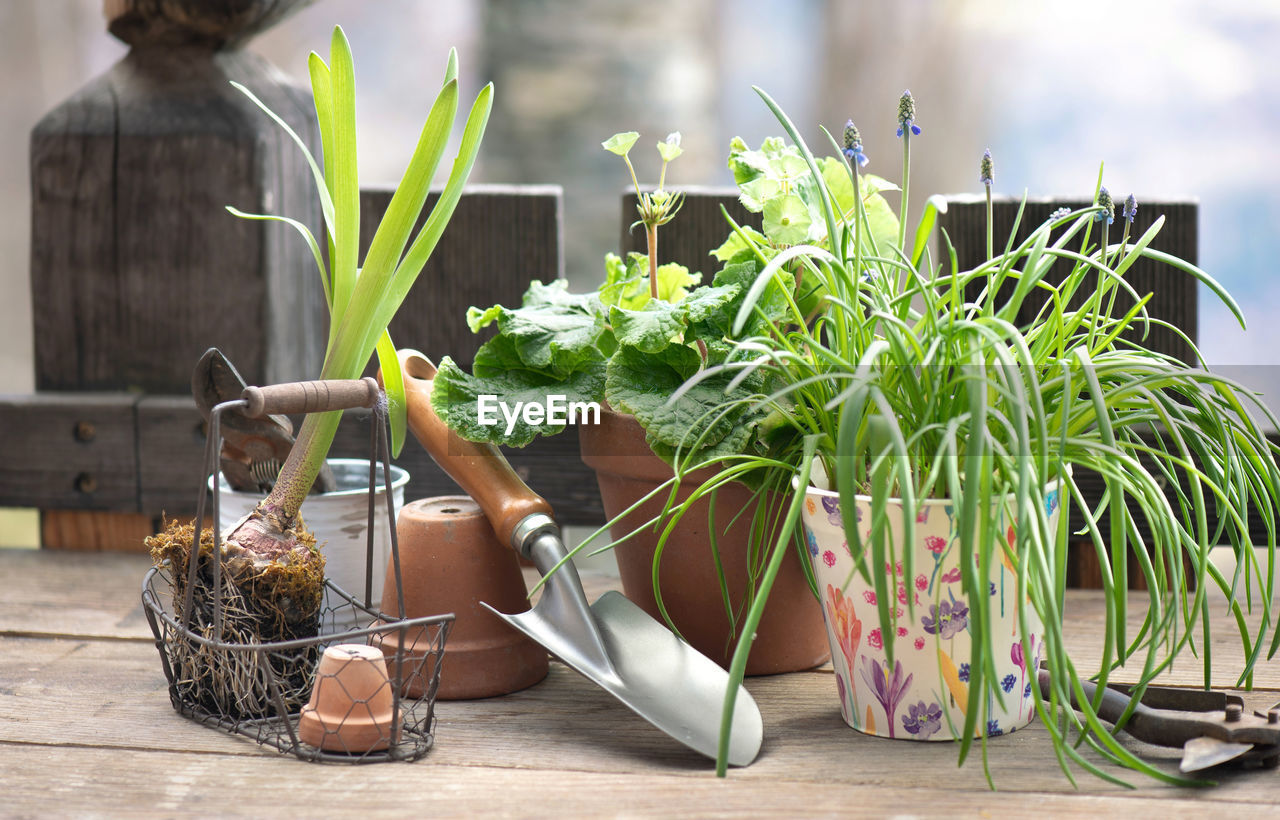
pixel 907 114
pixel 853 145
pixel 1130 209
pixel 986 170
pixel 1108 206
pixel 1059 213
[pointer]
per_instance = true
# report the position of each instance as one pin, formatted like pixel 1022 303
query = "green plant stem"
pixel 651 235
pixel 302 466
pixel 906 187
pixel 990 227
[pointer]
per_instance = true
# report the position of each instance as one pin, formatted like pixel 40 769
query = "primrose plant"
pixel 642 332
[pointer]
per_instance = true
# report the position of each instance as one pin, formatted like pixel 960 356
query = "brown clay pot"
pixel 791 635
pixel 451 561
pixel 351 706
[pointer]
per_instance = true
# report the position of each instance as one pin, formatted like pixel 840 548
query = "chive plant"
pixel 917 380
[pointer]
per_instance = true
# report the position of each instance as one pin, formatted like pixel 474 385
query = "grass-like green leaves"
pixel 914 380
pixel 362 299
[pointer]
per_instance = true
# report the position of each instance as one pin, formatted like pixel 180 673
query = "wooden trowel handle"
pixel 480 469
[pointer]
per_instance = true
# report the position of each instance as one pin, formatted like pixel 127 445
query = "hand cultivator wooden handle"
pixel 310 397
pixel 480 469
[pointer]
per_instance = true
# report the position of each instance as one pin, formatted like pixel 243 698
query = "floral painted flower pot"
pixel 925 693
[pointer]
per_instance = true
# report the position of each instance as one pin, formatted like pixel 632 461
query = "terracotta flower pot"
pixel 923 696
pixel 352 706
pixel 451 561
pixel 791 634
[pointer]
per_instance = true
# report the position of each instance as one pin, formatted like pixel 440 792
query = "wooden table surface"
pixel 86 728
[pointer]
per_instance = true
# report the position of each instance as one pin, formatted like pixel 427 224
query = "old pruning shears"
pixel 252 448
pixel 1211 727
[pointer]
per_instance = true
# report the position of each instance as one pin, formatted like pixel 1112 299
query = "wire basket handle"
pixel 310 397
pixel 292 397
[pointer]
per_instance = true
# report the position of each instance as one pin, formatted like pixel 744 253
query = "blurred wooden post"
pixel 136 268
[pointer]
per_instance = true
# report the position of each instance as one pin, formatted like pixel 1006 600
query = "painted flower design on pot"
pixel 831 506
pixel 848 629
pixel 921 720
pixel 888 689
pixel 946 620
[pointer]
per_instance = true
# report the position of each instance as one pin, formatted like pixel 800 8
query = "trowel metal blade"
pixel 1201 753
pixel 658 676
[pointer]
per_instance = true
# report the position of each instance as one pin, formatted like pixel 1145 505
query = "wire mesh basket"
pixel 326 692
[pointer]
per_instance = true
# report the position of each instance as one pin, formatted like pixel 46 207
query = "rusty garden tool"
pixel 612 642
pixel 252 448
pixel 1211 727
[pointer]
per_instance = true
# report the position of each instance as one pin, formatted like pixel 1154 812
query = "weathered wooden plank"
pixel 69 451
pixel 136 268
pixel 171 442
pixel 92 781
pixel 90 595
pixel 1174 295
pixel 563 743
pixel 574 729
pixel 95 530
pixel 499 239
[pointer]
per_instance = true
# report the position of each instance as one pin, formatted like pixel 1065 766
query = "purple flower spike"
pixel 853 144
pixel 907 114
pixel 1130 209
pixel 986 171
pixel 1108 206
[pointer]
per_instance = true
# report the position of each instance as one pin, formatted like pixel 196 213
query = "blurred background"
pixel 1179 98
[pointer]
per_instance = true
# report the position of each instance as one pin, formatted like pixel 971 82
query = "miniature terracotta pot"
pixel 790 636
pixel 451 561
pixel 352 704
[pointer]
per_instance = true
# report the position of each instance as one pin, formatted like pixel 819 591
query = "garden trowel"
pixel 1211 727
pixel 612 642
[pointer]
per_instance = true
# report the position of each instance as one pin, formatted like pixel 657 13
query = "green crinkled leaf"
pixel 478 319
pixel 626 285
pixel 621 143
pixel 883 222
pixel 641 384
pixel 626 282
pixel 786 220
pixel 555 331
pixel 735 245
pixel 455 397
pixel 880 215
pixel 674 281
pixel 650 329
pixel 772 302
pixel 706 304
